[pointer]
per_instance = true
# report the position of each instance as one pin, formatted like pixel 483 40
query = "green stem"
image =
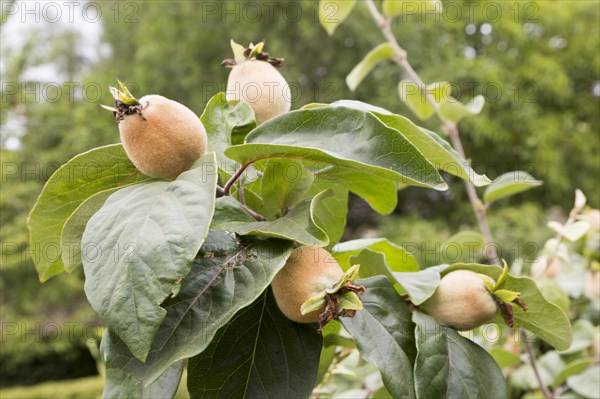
pixel 400 58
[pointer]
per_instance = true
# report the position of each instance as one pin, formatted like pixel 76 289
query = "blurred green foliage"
pixel 536 64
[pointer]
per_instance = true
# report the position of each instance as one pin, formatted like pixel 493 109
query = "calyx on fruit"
pixel 255 79
pixel 465 300
pixel 312 287
pixel 162 137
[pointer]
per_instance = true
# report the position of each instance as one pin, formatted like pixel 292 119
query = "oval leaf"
pixel 220 119
pixel 508 184
pixel 340 136
pixel 228 274
pixel 396 257
pixel 259 354
pixel 140 244
pixel 449 365
pixel 74 227
pixel 86 174
pixel 383 52
pixel 383 335
pixel 334 12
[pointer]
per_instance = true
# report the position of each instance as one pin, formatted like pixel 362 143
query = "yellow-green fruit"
pixel 260 85
pixel 307 273
pixel 461 301
pixel 165 140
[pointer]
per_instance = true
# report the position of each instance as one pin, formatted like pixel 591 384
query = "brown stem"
pixel 532 362
pixel 400 58
pixel 238 173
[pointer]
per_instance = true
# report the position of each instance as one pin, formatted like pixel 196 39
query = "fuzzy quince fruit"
pixel 255 79
pixel 162 137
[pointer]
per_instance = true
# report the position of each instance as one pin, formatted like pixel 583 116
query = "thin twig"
pixel 400 58
pixel 255 215
pixel 238 173
pixel 532 362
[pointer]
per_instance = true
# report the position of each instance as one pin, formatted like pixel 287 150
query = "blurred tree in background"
pixel 537 64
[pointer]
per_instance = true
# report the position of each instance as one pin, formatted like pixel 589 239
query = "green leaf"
pixel 238 51
pixel 573 368
pixel 414 98
pixel 504 358
pixel 586 384
pixel 464 246
pixel 396 257
pixel 228 211
pixel 394 8
pixel 453 110
pixel 298 225
pixel 121 385
pixel 543 318
pixel 86 174
pixel 420 285
pixel 449 365
pixel 508 184
pixel 380 193
pixel 139 246
pixel 383 52
pixel 340 136
pixel 330 213
pixel 554 293
pixel 383 335
pixel 583 336
pixel 449 108
pixel 506 295
pixel 284 183
pixel 349 300
pixel 74 227
pixel 333 12
pixel 228 274
pixel 258 354
pixel 572 231
pixel 437 150
pixel 220 119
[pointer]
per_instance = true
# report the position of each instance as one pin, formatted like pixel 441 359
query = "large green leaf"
pixel 122 385
pixel 283 184
pixel 140 244
pixel 383 332
pixel 543 318
pixel 74 227
pixel 437 150
pixel 228 274
pixel 83 176
pixel 396 257
pixel 299 224
pixel 383 52
pixel 508 184
pixel 449 365
pixel 334 12
pixel 394 8
pixel 341 136
pixel 258 354
pixel 222 118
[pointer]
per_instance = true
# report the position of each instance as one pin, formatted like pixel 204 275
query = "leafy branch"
pixel 451 127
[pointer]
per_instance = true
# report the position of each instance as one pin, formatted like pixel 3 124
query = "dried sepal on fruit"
pixel 162 137
pixel 312 287
pixel 465 300
pixel 255 80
